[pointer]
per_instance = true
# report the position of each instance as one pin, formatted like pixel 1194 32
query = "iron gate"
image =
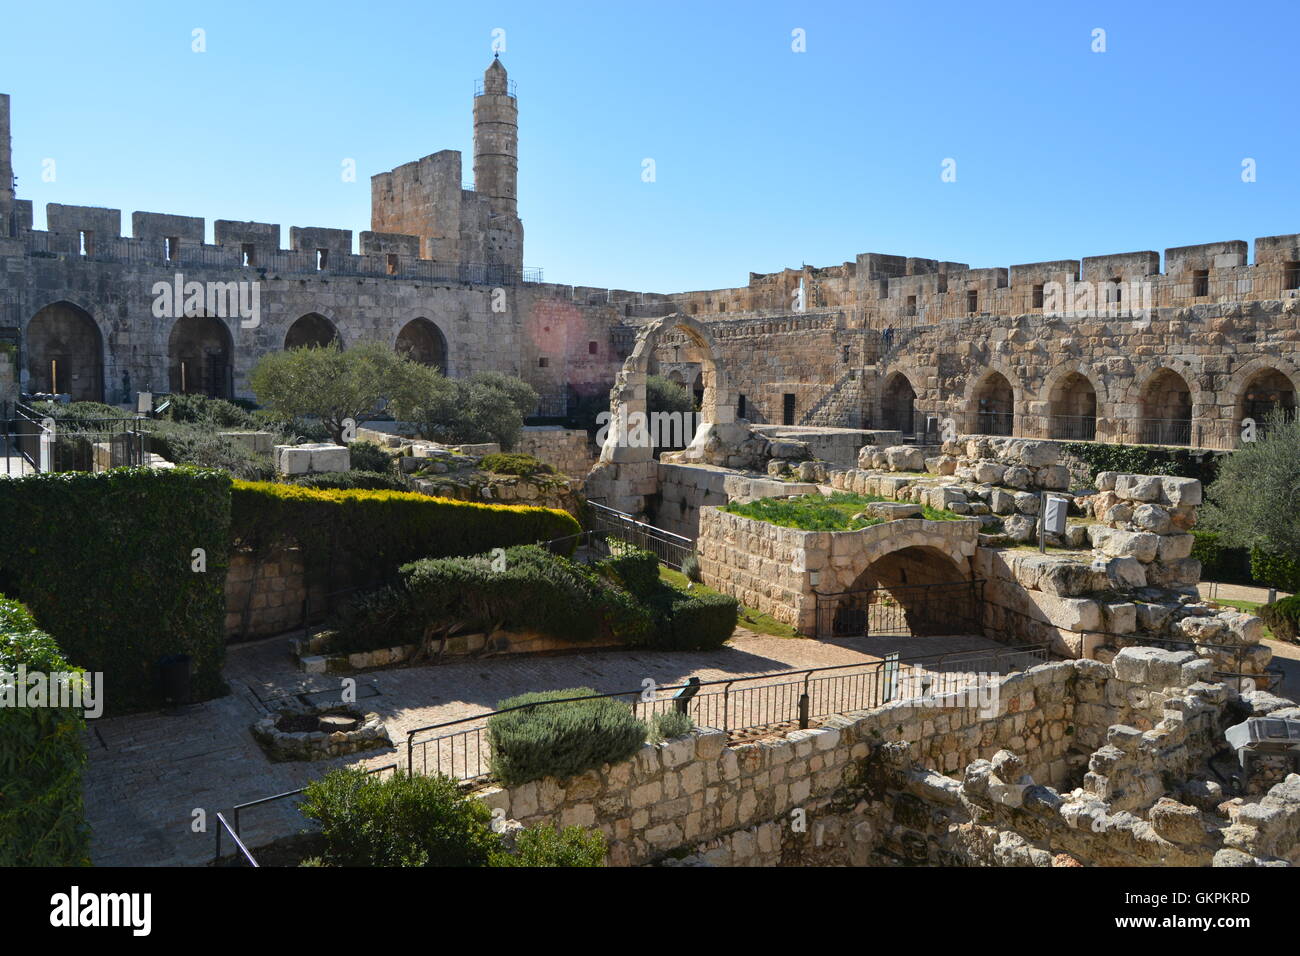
pixel 906 610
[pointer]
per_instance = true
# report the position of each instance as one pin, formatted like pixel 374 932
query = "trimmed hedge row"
pixel 107 565
pixel 529 589
pixel 1274 570
pixel 359 539
pixel 42 813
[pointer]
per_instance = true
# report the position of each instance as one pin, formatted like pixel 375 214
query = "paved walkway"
pixel 149 773
pixel 1213 591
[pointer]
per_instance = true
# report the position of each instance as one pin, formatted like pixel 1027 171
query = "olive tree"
pixel 335 385
pixel 1255 501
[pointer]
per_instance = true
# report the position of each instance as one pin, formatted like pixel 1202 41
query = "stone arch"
pixel 994 401
pixel 65 352
pixel 1074 402
pixel 199 351
pixel 628 396
pixel 1164 407
pixel 312 330
pixel 1261 387
pixel 898 403
pixel 1265 392
pixel 424 342
pixel 676 377
pixel 917 589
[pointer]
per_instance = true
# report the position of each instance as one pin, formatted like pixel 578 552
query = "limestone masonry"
pixel 1107 347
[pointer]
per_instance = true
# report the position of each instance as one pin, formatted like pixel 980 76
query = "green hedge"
pixel 638 571
pixel 1220 562
pixel 104 562
pixel 359 539
pixel 353 481
pixel 560 739
pixel 506 463
pixel 1283 618
pixel 545 846
pixel 698 622
pixel 42 814
pixel 1273 570
pixel 1145 460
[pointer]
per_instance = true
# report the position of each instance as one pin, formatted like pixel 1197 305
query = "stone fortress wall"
pixel 882 341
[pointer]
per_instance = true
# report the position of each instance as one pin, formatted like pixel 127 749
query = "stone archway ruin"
pixel 917 590
pixel 627 473
pixel 1165 409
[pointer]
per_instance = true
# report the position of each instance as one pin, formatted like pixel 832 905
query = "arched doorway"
pixel 1265 394
pixel 1165 410
pixel 198 353
pixel 424 342
pixel 313 330
pixel 65 353
pixel 994 405
pixel 1072 409
pixel 914 591
pixel 898 404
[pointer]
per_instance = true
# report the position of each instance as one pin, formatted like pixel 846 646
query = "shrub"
pixel 42 816
pixel 202 446
pixel 104 562
pixel 215 412
pixel 638 571
pixel 665 395
pixel 487 407
pixel 1252 504
pixel 1283 618
pixel 1271 569
pixel 530 589
pixel 544 846
pixel 1144 460
pixel 699 622
pixel 359 539
pixel 671 724
pixel 367 456
pixel 560 739
pixel 515 464
pixel 352 480
pixel 691 568
pixel 399 821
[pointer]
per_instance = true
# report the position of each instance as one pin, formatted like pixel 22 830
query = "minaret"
pixel 6 167
pixel 496 142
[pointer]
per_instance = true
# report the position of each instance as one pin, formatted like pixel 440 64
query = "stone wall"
pixel 568 450
pixel 874 786
pixel 780 570
pixel 270 596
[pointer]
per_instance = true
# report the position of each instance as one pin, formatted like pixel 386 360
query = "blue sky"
pixel 764 157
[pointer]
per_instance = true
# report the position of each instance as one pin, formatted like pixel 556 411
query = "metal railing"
pixel 671 549
pixel 948 607
pixel 762 704
pixel 1072 427
pixel 72 444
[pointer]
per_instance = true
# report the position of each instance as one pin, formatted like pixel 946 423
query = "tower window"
pixel 393 264
pixel 1038 296
pixel 740 405
pixel 171 248
pixel 592 348
pixel 972 301
pixel 1291 275
pixel 911 305
pixel 322 258
pixel 87 242
pixel 543 362
pixel 787 409
pixel 1200 282
pixel 247 253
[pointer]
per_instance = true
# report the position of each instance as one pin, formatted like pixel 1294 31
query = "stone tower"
pixel 6 167
pixel 496 142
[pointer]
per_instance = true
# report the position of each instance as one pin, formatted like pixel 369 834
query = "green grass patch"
pixel 823 513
